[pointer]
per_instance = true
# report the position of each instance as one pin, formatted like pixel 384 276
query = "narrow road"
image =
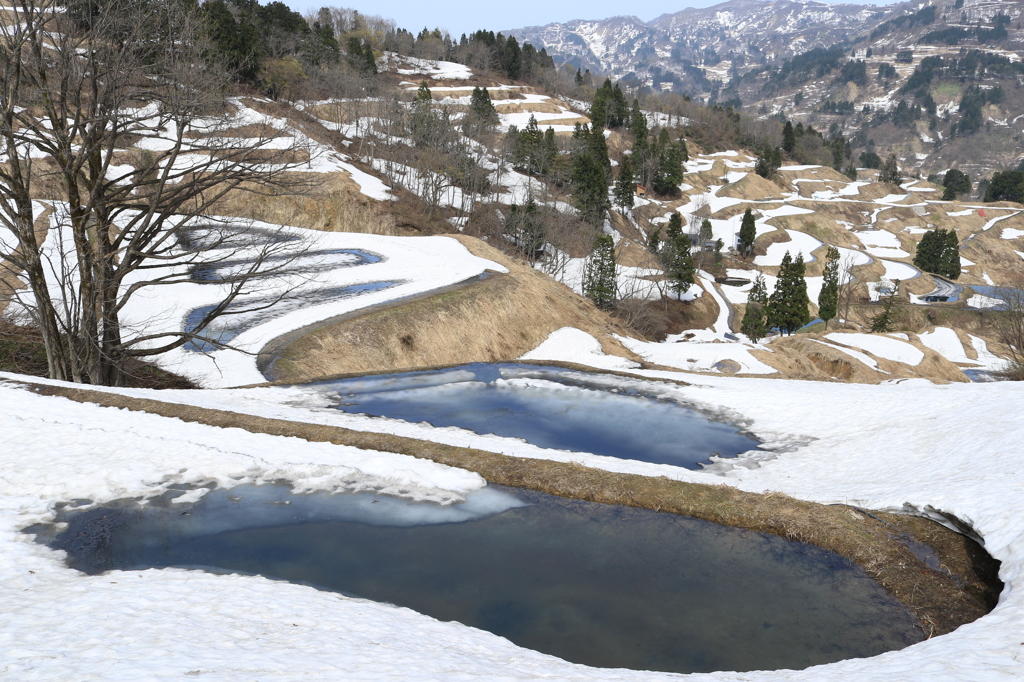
pixel 945 291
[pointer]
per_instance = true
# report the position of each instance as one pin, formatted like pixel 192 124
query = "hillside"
pixel 844 68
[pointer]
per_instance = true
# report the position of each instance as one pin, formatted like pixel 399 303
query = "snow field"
pixel 416 265
pixel 799 242
pixel 880 346
pixel 855 446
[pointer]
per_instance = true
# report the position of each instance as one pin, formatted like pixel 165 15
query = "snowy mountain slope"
pixel 758 31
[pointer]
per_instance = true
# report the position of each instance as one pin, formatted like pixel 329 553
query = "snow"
pixel 1011 233
pixel 438 70
pixel 946 343
pixel 855 354
pixel 958 453
pixel 881 243
pixel 880 346
pixel 980 301
pixel 570 342
pixel 407 266
pixel 699 354
pixel 900 271
pixel 799 242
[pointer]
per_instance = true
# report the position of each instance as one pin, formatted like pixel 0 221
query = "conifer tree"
pixel 670 167
pixel 423 94
pixel 828 299
pixel 787 306
pixel 939 253
pixel 625 187
pixel 891 172
pixel 654 241
pixel 599 107
pixel 599 150
pixel 754 325
pixel 956 182
pixel 589 177
pixel 788 138
pixel 675 256
pixel 748 233
pixel 599 277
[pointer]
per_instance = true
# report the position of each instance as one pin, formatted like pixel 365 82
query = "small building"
pixel 641 191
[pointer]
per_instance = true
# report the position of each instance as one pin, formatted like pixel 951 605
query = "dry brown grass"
pixel 332 203
pixel 941 601
pixel 528 108
pixel 752 187
pixel 802 357
pixel 497 319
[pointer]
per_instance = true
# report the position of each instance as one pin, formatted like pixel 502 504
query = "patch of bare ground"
pixel 964 589
pixel 497 319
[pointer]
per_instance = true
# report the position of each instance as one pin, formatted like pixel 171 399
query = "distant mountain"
pixel 732 36
pixel 899 77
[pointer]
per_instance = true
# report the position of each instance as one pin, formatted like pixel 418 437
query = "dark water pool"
pixel 1011 298
pixel 549 407
pixel 275 265
pixel 594 584
pixel 245 314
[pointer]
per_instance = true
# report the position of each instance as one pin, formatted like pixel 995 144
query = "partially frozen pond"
pixel 548 407
pixel 595 584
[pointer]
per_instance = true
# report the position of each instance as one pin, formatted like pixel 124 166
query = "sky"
pixel 466 17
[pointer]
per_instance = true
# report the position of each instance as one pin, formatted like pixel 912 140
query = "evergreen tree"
pixel 754 318
pixel 654 241
pixel 599 150
pixel 638 122
pixel 625 187
pixel 951 255
pixel 828 299
pixel 599 277
pixel 788 138
pixel 956 182
pixel 599 107
pixel 423 94
pixel 670 168
pixel 589 182
pixel 769 159
pixel 676 257
pixel 482 116
pixel 939 253
pixel 748 233
pixel 579 78
pixel 885 321
pixel 891 172
pixel 787 306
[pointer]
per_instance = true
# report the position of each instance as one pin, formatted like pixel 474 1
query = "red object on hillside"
pixel 981 212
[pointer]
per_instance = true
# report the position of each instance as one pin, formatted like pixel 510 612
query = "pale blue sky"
pixel 465 17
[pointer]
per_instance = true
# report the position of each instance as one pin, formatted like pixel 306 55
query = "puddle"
pixel 595 584
pixel 548 407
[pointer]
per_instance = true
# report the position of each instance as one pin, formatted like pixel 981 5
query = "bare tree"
pixel 116 119
pixel 847 280
pixel 1009 326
